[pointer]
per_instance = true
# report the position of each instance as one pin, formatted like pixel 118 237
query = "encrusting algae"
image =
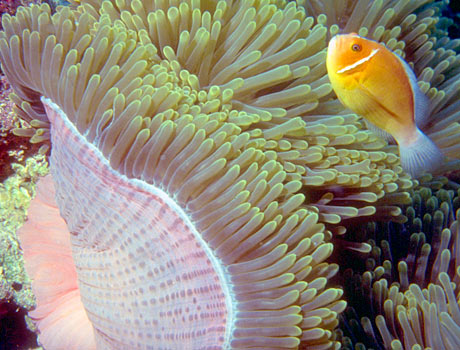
pixel 227 104
pixel 15 195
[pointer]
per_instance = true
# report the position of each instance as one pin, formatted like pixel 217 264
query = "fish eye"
pixel 356 47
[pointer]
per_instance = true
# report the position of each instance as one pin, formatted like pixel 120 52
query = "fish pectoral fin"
pixel 378 101
pixel 363 102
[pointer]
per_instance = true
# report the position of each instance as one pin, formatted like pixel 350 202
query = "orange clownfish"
pixel 379 85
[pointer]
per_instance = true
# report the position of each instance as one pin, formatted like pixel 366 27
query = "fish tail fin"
pixel 421 155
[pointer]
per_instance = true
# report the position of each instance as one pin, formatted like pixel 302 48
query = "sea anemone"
pixel 230 254
pixel 402 296
pixel 214 120
pixel 275 85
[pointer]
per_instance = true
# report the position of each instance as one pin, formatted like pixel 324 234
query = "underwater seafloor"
pixel 416 242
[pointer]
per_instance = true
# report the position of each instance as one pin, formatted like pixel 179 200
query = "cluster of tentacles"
pixel 226 106
pixel 405 295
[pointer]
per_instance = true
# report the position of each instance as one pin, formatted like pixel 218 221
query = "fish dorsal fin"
pixel 421 102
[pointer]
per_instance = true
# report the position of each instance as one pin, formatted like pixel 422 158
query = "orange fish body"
pixel 374 82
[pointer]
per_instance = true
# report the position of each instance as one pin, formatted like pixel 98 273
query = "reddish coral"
pixel 8 120
pixel 12 148
pixel 9 6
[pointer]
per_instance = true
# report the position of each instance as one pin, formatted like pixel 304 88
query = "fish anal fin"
pixel 381 133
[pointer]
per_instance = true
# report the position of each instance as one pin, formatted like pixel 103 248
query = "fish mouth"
pixel 338 39
pixel 336 44
pixel 333 42
pixel 332 47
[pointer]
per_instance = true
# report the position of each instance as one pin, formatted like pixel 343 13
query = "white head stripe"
pixel 359 62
